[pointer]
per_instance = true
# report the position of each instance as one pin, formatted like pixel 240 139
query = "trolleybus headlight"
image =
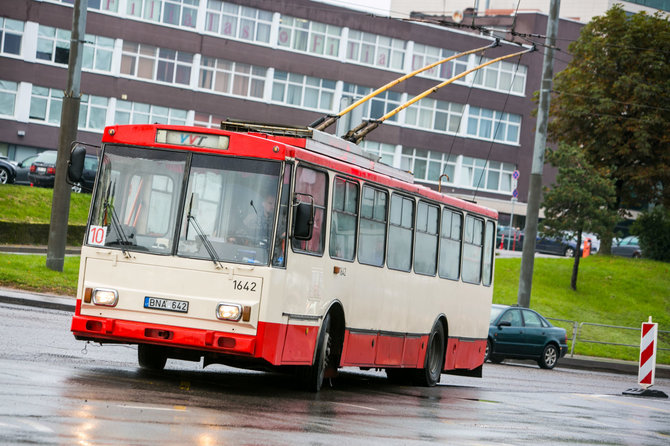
pixel 229 312
pixel 106 297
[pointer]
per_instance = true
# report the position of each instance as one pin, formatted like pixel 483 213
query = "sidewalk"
pixel 67 303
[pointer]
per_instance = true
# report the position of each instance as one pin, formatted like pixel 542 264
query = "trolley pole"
pixel 60 205
pixel 535 189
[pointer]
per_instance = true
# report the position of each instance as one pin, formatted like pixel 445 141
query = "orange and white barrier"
pixel 648 338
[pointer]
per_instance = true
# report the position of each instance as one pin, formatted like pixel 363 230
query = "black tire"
pixel 399 376
pixel 487 355
pixel 313 375
pixel 549 357
pixel 151 357
pixel 430 374
pixel 4 176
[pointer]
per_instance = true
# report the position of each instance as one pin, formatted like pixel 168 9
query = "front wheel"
pixel 569 252
pixel 4 175
pixel 313 375
pixel 151 357
pixel 549 357
pixel 434 362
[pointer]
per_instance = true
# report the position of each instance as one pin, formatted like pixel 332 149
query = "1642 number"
pixel 243 285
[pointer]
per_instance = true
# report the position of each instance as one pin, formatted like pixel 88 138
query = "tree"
pixel 612 100
pixel 653 231
pixel 580 201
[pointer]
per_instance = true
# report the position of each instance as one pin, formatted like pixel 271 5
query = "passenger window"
pixel 344 219
pixel 401 231
pixel 425 258
pixel 312 183
pixel 450 245
pixel 489 244
pixel 531 319
pixel 472 249
pixel 513 317
pixel 372 243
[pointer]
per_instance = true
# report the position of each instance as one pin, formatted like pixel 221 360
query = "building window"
pixel 138 113
pixel 375 50
pixel 310 37
pixel 11 34
pixel 45 104
pixel 492 125
pixel 233 78
pixel 238 22
pixel 303 91
pixel 385 152
pixel 8 97
pixel 159 64
pixel 206 120
pixel 92 112
pixel 502 76
pixel 101 5
pixel 53 44
pixel 429 165
pixel 423 55
pixel 488 175
pixel 436 115
pixel 170 12
pixel 98 53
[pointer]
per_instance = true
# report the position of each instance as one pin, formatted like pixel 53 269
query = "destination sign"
pixel 219 142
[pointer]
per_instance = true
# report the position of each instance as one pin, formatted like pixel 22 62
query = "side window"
pixel 531 319
pixel 472 249
pixel 513 317
pixel 279 254
pixel 401 231
pixel 489 243
pixel 450 245
pixel 372 242
pixel 312 183
pixel 344 219
pixel 425 258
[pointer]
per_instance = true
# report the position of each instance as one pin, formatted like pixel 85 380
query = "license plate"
pixel 155 303
pixel 41 170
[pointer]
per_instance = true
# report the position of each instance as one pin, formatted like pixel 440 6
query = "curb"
pixel 50 301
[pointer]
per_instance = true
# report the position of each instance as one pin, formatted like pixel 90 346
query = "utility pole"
pixel 60 206
pixel 535 189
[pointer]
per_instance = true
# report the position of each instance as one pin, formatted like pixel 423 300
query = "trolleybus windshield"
pixel 229 204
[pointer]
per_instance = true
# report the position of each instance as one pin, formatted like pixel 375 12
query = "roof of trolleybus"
pixel 258 144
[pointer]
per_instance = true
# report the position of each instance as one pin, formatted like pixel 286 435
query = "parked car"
pixel 627 247
pixel 7 171
pixel 552 245
pixel 22 170
pixel 516 332
pixel 43 171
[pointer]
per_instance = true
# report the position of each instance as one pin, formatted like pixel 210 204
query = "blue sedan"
pixel 516 332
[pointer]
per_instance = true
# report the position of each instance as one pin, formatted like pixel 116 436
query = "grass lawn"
pixel 33 205
pixel 29 272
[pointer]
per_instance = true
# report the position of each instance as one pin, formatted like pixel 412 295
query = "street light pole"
pixel 60 205
pixel 535 188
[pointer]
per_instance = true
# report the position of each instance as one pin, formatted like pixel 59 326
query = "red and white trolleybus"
pixel 258 246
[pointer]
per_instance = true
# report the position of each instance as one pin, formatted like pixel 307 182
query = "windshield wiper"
pixel 121 238
pixel 190 218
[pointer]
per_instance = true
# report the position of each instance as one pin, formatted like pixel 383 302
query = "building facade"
pixel 287 62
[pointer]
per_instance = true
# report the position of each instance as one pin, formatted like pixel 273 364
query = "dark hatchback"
pixel 521 333
pixel 43 171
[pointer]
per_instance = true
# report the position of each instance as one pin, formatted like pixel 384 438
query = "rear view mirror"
pixel 303 221
pixel 75 166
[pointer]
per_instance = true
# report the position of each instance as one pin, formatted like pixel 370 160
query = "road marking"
pixel 358 407
pixel 171 409
pixel 624 403
pixel 37 426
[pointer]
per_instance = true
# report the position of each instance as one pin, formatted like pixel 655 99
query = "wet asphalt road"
pixel 55 390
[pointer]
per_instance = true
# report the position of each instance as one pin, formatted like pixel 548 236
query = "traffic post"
pixel 647 364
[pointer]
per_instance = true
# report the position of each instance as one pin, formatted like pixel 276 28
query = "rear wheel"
pixel 151 357
pixel 569 252
pixel 430 374
pixel 549 357
pixel 4 175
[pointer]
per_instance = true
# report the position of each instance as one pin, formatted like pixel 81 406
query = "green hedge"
pixel 36 234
